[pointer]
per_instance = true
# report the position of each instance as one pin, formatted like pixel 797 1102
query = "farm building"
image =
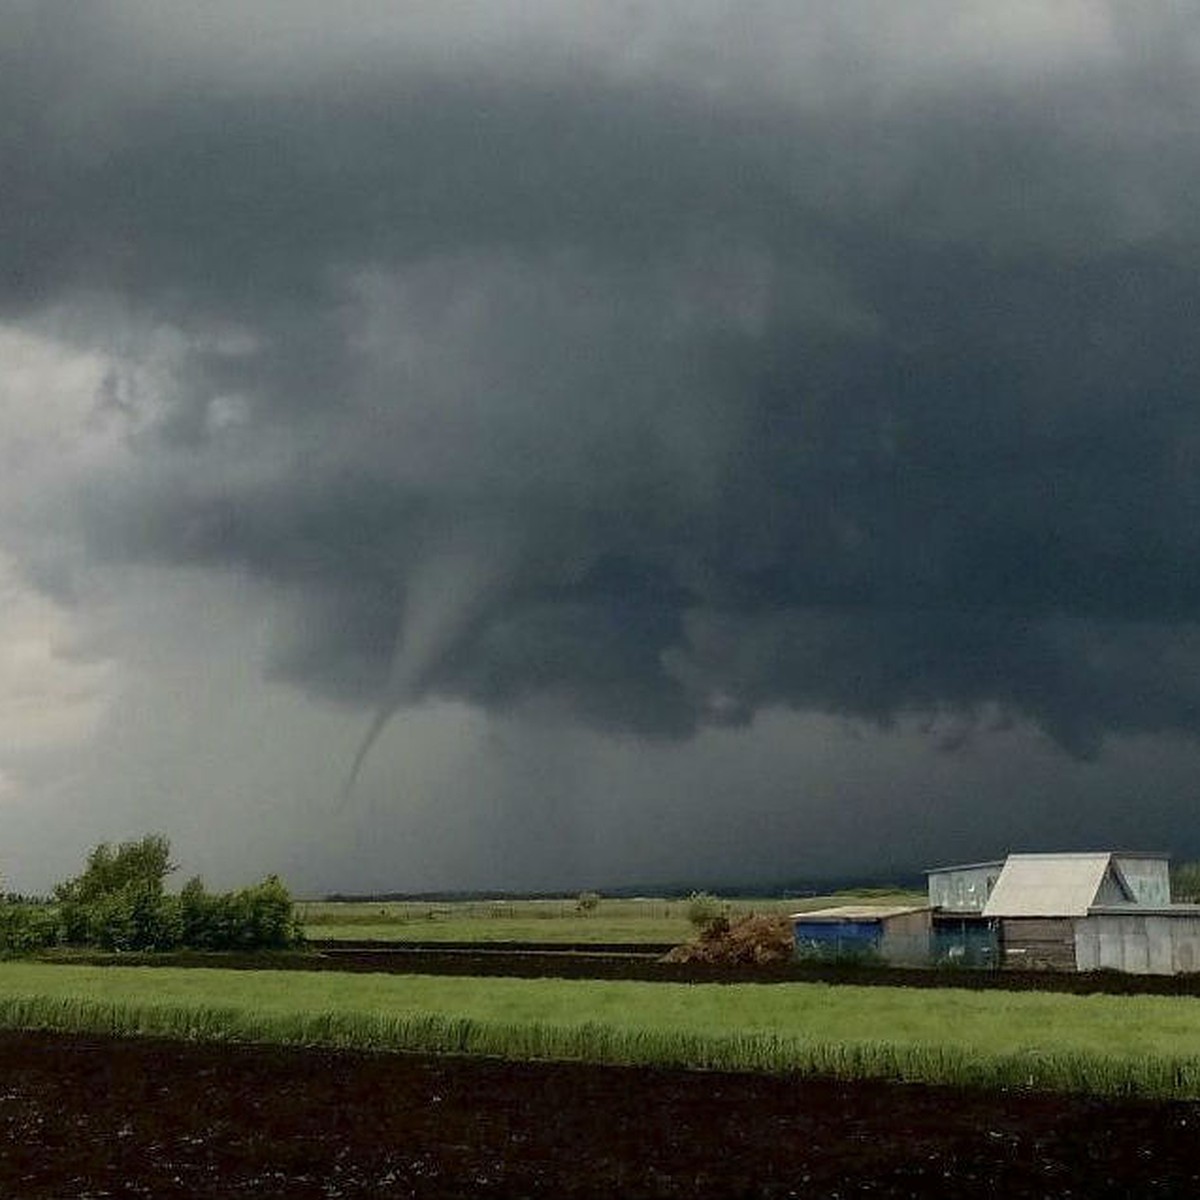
pixel 960 935
pixel 1102 910
pixel 1068 912
pixel 963 889
pixel 896 934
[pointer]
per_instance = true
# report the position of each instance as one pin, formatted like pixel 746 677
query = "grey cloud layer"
pixel 867 385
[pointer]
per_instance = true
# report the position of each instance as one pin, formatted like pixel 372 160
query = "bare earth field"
pixel 88 1117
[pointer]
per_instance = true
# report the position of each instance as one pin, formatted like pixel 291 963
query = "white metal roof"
pixel 860 912
pixel 975 866
pixel 1048 885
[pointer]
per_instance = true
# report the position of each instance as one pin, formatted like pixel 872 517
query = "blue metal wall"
pixel 838 939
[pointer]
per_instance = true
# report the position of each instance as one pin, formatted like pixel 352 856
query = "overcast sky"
pixel 555 444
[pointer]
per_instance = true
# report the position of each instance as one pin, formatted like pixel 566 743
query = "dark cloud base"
pixel 738 404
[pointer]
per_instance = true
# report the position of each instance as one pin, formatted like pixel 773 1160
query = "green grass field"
pixel 1126 1045
pixel 623 920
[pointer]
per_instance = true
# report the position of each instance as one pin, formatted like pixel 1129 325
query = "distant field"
pixel 1113 1045
pixel 615 920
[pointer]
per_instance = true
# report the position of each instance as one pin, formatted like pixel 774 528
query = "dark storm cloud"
pixel 872 391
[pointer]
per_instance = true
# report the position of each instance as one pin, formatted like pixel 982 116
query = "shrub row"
pixel 119 903
pixel 134 918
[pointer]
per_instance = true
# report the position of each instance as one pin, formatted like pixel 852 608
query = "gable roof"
pixel 859 912
pixel 1052 885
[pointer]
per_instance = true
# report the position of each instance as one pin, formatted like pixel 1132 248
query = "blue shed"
pixel 864 931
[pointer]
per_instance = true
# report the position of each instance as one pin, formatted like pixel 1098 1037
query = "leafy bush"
pixel 145 861
pixel 254 918
pixel 588 902
pixel 136 916
pixel 705 910
pixel 27 927
pixel 119 903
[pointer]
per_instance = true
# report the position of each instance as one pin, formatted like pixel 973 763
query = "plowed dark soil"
pixel 537 960
pixel 87 1117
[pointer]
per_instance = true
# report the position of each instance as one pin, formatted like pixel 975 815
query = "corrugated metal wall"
pixel 963 889
pixel 1149 878
pixel 838 939
pixel 1140 943
pixel 903 939
pixel 906 938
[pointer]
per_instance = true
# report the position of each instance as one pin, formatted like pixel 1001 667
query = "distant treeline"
pixel 791 890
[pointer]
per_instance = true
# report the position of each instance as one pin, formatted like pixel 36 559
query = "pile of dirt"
pixel 754 939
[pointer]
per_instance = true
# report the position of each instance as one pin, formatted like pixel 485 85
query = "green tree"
pixel 1185 883
pixel 146 861
pixel 118 901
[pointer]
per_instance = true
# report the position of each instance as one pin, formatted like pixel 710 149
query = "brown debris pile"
pixel 755 939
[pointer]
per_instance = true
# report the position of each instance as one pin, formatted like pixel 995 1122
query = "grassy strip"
pixel 615 920
pixel 1114 1046
pixel 431 1033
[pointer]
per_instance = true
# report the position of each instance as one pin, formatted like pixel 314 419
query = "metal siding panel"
pixel 1087 947
pixel 1160 935
pixel 832 931
pixel 1185 953
pixel 837 939
pixel 817 931
pixel 1148 878
pixel 1112 950
pixel 1134 943
pixel 1135 952
pixel 1110 891
pixel 964 889
pixel 910 924
pixel 1185 944
pixel 909 947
